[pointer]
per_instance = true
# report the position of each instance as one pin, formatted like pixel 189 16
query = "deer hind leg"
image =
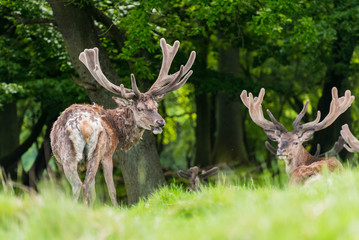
pixel 70 170
pixel 89 182
pixel 107 169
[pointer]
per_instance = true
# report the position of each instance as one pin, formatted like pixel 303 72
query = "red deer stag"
pixel 92 133
pixel 301 166
pixel 352 143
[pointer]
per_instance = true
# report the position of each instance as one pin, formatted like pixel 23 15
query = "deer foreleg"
pixel 89 182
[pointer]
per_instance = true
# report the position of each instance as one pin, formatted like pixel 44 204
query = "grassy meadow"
pixel 327 209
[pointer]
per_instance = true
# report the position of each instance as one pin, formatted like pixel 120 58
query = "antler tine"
pixel 317 152
pixel 270 148
pixel 256 112
pixel 352 142
pixel 134 86
pixel 339 145
pixel 335 150
pixel 337 107
pixel 278 125
pixel 165 82
pixel 90 58
pixel 300 116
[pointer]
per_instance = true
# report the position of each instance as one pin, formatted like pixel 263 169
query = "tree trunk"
pixel 203 130
pixel 229 145
pixel 10 130
pixel 204 107
pixel 138 172
pixel 78 30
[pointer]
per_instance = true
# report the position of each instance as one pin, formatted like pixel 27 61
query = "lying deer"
pixel 301 166
pixel 194 174
pixel 352 143
pixel 92 133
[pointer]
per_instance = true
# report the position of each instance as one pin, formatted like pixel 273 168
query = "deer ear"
pixel 273 135
pixel 123 101
pixel 210 172
pixel 184 174
pixel 306 135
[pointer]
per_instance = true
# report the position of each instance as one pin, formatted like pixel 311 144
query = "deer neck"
pixel 126 129
pixel 302 158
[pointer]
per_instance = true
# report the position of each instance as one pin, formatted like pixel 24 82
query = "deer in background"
pixel 194 175
pixel 301 166
pixel 91 133
pixel 352 143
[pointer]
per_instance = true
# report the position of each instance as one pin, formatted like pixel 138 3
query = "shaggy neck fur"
pixel 128 133
pixel 302 158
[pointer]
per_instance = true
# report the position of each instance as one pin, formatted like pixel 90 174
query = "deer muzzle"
pixel 281 153
pixel 156 128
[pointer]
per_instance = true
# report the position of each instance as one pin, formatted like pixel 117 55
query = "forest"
pixel 295 50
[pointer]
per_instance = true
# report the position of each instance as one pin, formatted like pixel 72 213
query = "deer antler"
pixel 166 83
pixel 337 107
pixel 338 146
pixel 254 106
pixel 270 148
pixel 89 57
pixel 352 143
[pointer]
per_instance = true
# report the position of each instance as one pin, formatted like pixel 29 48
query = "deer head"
pixel 338 146
pixel 143 105
pixel 194 174
pixel 290 143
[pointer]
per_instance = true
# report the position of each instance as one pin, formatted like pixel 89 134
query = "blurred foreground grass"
pixel 328 209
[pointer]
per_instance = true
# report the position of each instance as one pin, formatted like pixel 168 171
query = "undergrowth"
pixel 327 209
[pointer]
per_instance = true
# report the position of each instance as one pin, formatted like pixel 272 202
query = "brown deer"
pixel 352 143
pixel 91 133
pixel 301 166
pixel 195 174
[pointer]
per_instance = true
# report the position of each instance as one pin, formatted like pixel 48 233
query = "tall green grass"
pixel 327 209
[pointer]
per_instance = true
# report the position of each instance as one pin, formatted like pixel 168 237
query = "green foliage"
pixel 9 92
pixel 327 209
pixel 179 135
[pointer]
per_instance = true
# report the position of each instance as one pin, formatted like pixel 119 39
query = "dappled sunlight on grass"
pixel 327 209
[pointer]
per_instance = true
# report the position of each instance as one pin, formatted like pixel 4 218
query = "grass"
pixel 327 209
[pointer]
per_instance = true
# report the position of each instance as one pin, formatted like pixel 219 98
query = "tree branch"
pixel 115 32
pixel 10 161
pixel 25 21
pixel 86 85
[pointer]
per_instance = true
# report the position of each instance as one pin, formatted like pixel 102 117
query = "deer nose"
pixel 161 123
pixel 280 151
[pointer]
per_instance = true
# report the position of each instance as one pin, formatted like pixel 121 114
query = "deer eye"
pixel 295 143
pixel 140 109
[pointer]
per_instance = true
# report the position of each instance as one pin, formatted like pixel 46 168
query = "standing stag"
pixel 301 166
pixel 91 133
